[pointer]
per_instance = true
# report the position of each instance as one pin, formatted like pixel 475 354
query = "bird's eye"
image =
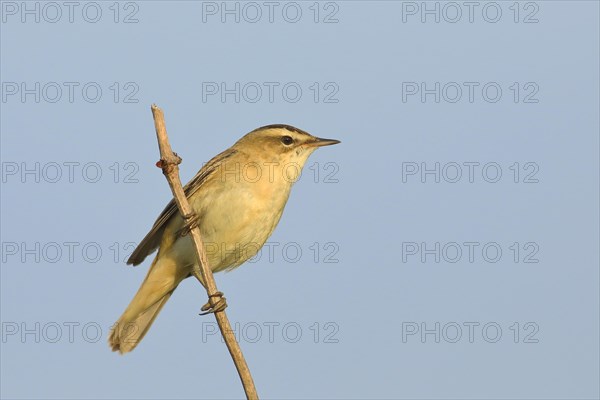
pixel 287 140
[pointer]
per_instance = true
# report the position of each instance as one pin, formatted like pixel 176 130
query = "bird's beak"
pixel 319 142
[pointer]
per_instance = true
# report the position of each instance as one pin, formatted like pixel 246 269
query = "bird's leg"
pixel 220 305
pixel 191 221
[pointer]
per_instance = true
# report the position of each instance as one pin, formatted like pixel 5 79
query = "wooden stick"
pixel 169 162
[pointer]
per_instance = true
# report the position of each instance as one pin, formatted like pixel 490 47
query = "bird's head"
pixel 283 144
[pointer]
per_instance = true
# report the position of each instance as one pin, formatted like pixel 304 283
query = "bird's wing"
pixel 152 239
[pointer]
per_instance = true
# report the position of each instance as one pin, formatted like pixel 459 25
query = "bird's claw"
pixel 191 221
pixel 220 305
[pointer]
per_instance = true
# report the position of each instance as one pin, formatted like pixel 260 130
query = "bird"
pixel 238 198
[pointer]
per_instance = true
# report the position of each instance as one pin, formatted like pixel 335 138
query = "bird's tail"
pixel 162 279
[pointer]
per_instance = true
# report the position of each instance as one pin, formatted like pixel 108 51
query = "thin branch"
pixel 169 162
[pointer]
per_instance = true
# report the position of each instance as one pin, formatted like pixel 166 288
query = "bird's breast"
pixel 238 216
